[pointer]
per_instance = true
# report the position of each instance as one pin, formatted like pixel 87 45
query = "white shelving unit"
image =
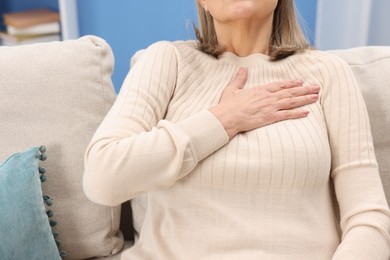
pixel 69 20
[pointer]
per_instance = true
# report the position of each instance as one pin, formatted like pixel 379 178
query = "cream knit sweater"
pixel 265 194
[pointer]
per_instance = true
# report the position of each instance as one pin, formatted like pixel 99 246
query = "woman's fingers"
pixel 288 89
pixel 281 85
pixel 292 94
pixel 297 91
pixel 290 114
pixel 296 101
pixel 239 79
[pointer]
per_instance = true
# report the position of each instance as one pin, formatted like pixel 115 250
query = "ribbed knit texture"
pixel 265 194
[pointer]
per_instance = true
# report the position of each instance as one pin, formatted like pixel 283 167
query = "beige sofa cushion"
pixel 371 67
pixel 56 94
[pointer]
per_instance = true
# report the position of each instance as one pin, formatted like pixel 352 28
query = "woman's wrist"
pixel 226 120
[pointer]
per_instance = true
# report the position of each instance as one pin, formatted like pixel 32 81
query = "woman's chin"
pixel 242 9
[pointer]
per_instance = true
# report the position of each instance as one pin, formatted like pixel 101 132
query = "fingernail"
pixel 299 81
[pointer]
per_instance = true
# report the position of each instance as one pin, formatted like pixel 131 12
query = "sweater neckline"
pixel 249 60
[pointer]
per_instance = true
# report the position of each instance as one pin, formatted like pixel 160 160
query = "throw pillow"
pixel 25 228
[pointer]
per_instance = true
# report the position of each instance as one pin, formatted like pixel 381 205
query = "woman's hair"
pixel 287 37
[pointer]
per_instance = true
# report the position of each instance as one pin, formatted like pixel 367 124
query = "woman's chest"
pixel 291 154
pixel 286 156
pixel 201 87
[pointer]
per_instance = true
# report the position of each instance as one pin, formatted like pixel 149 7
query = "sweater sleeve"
pixel 364 213
pixel 135 150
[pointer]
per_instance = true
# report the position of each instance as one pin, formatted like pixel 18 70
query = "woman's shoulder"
pixel 318 64
pixel 317 61
pixel 171 53
pixel 323 57
pixel 166 50
pixel 179 47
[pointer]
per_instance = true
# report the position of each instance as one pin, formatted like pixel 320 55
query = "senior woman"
pixel 237 142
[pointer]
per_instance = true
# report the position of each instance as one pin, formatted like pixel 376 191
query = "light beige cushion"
pixel 371 67
pixel 56 94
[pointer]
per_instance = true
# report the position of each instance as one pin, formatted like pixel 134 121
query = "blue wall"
pixel 307 11
pixel 132 25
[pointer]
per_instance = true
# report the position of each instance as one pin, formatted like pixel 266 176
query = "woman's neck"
pixel 243 38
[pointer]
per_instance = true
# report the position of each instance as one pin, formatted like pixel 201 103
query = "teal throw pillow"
pixel 25 229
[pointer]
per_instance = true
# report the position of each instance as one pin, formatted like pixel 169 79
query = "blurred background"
pixel 132 25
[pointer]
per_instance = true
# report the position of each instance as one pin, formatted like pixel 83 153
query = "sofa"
pixel 56 94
